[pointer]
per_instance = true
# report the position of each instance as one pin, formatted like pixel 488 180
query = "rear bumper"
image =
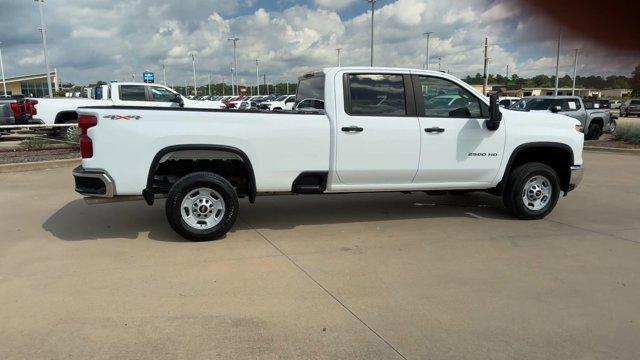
pixel 93 182
pixel 575 178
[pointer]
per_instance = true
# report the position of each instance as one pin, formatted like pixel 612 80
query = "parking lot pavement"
pixel 369 276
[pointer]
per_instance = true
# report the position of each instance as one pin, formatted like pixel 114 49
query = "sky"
pixel 92 40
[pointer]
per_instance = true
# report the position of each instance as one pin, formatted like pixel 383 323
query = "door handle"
pixel 434 130
pixel 352 129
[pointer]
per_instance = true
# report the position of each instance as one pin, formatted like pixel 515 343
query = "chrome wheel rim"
pixel 202 208
pixel 536 193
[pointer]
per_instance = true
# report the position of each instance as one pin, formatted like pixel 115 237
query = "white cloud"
pixel 334 4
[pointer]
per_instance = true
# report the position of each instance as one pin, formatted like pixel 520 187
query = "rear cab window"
pixel 310 91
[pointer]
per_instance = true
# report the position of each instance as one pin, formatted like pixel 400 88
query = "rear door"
pixel 378 139
pixel 573 107
pixel 132 95
pixel 457 149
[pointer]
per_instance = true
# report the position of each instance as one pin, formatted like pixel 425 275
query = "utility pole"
pixel 287 86
pixel 186 88
pixel 555 90
pixel 4 82
pixel 575 72
pixel 235 61
pixel 486 63
pixel 223 85
pixel 338 50
pixel 257 77
pixel 439 64
pixel 195 86
pixel 264 80
pixel 506 82
pixel 44 45
pixel 426 62
pixel 164 75
pixel 209 84
pixel 373 3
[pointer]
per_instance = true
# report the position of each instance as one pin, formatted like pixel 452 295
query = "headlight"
pixel 579 128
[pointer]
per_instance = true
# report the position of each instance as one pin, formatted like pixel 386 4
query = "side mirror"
pixel 495 116
pixel 178 100
pixel 555 109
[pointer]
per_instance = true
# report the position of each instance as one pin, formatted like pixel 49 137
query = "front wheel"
pixel 532 191
pixel 202 206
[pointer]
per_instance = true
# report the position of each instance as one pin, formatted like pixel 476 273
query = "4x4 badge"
pixel 122 117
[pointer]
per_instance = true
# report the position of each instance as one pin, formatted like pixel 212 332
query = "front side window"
pixel 132 93
pixel 376 95
pixel 161 94
pixel 443 98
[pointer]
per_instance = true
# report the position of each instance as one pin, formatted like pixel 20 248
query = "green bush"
pixel 628 131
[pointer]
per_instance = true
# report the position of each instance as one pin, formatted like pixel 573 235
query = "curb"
pixel 39 165
pixel 612 150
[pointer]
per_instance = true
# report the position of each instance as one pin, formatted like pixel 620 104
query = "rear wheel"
pixel 202 206
pixel 532 191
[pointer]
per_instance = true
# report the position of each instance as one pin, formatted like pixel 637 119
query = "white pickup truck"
pixel 359 130
pixel 64 110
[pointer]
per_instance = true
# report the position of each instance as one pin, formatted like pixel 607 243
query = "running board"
pixel 94 200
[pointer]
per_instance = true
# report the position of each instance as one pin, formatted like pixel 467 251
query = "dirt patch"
pixel 25 156
pixel 607 140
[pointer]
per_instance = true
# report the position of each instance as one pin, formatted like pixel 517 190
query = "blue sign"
pixel 148 77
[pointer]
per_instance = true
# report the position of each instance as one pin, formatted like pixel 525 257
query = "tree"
pixel 635 80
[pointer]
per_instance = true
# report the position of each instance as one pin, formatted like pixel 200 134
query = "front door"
pixel 457 149
pixel 378 138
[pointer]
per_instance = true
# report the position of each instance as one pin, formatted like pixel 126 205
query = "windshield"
pixel 533 103
pixel 311 88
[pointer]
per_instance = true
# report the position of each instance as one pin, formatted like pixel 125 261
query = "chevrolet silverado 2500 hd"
pixel 64 110
pixel 360 130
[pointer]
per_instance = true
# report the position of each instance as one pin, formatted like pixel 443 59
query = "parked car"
pixel 284 102
pixel 615 104
pixel 630 107
pixel 64 110
pixel 593 120
pixel 507 101
pixel 16 110
pixel 370 139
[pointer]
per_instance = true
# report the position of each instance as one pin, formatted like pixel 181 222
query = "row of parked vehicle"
pixel 16 110
pixel 273 102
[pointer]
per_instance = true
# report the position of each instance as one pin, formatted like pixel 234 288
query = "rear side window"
pixel 132 93
pixel 376 95
pixel 570 105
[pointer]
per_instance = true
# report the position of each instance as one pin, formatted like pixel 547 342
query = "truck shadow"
pixel 79 221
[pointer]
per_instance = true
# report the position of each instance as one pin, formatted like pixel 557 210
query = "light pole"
pixel 164 75
pixel 257 77
pixel 373 3
pixel 426 62
pixel 193 63
pixel 209 84
pixel 439 63
pixel 338 50
pixel 235 60
pixel 233 88
pixel 555 90
pixel 4 82
pixel 575 72
pixel 44 45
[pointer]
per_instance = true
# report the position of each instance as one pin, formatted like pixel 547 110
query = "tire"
pixel 594 133
pixel 521 180
pixel 613 125
pixel 202 206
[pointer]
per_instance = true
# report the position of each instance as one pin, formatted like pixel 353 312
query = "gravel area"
pixel 607 140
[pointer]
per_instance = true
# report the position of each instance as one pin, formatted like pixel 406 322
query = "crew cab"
pixel 64 110
pixel 360 129
pixel 592 118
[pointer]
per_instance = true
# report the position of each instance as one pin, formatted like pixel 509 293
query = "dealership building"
pixel 34 85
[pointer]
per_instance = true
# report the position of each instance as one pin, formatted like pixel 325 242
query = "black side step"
pixel 310 182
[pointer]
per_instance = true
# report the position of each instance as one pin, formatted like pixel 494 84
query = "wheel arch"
pixel 149 192
pixel 542 152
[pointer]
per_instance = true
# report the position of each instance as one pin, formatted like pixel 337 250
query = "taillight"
pixel 86 145
pixel 30 107
pixel 15 107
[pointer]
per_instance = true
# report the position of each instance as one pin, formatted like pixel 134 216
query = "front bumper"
pixel 93 182
pixel 575 176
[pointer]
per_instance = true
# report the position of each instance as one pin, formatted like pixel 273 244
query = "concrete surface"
pixel 372 276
